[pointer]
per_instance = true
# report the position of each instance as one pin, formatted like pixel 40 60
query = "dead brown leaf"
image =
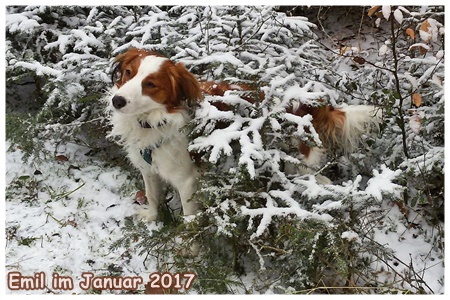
pixel 425 27
pixel 403 208
pixel 417 99
pixel 373 9
pixel 422 50
pixel 61 158
pixel 140 198
pixel 360 60
pixel 410 33
pixel 72 223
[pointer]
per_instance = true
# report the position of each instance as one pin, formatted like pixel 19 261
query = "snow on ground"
pixel 64 220
pixel 414 253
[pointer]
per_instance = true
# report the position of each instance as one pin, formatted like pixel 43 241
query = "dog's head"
pixel 147 80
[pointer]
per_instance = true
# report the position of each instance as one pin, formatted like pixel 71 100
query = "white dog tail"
pixel 359 119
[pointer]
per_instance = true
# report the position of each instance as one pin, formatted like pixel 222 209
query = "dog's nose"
pixel 119 102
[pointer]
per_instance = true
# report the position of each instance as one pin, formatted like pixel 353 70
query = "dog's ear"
pixel 186 85
pixel 119 63
pixel 116 75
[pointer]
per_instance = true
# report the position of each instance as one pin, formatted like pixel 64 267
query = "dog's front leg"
pixel 154 191
pixel 186 189
pixel 190 207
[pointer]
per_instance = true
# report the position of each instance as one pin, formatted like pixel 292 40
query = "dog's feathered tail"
pixel 359 119
pixel 343 127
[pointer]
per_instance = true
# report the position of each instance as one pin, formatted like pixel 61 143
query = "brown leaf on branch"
pixel 410 33
pixel 425 27
pixel 373 9
pixel 422 49
pixel 417 99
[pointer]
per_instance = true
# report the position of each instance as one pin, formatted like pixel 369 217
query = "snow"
pixel 378 22
pixel 84 40
pixel 63 42
pixel 222 57
pixel 271 210
pixel 398 15
pixel 305 94
pixel 152 21
pixel 19 22
pixel 74 217
pixel 421 164
pixel 382 182
pixel 386 10
pixel 91 15
pixel 412 80
pixel 219 140
pixel 350 236
pixel 383 50
pixel 412 252
pixel 39 69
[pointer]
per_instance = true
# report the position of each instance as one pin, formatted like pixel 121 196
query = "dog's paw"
pixel 147 215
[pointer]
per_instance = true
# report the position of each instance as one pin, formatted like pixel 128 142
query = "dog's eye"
pixel 150 84
pixel 128 72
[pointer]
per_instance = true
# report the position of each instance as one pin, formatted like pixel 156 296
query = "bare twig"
pixel 400 117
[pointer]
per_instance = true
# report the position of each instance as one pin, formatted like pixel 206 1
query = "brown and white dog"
pixel 149 108
pixel 148 111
